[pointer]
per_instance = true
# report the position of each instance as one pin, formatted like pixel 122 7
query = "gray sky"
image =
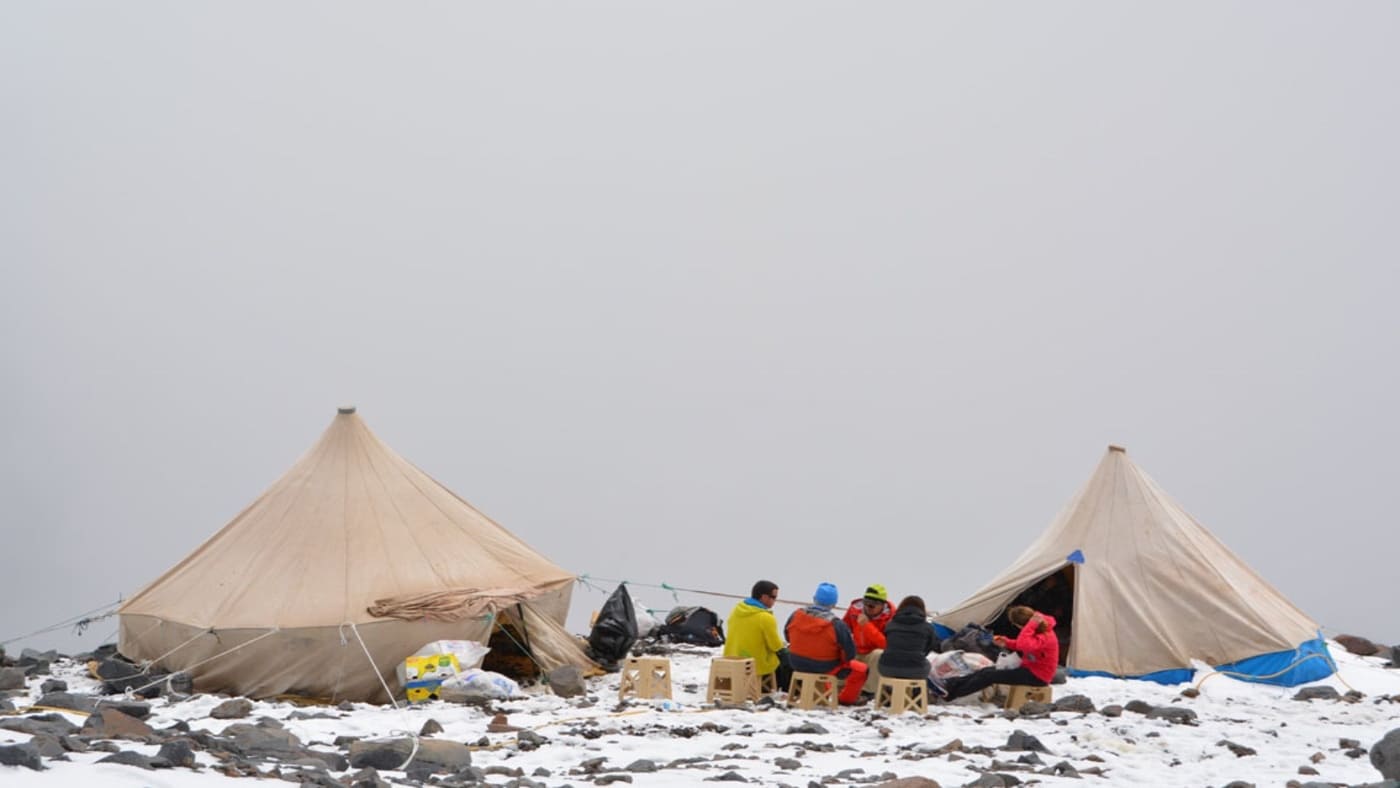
pixel 702 293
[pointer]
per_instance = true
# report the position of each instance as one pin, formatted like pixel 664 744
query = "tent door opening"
pixel 1052 594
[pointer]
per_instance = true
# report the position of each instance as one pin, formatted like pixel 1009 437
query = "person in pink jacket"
pixel 1040 654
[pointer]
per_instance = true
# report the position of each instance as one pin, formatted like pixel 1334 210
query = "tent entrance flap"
pixel 1052 593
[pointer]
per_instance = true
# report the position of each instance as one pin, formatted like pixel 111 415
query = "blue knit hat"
pixel 826 595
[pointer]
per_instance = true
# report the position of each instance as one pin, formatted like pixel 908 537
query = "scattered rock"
pixel 55 724
pixel 1112 710
pixel 232 709
pixel 609 779
pixel 1358 645
pixel 910 782
pixel 433 756
pixel 1031 708
pixel 1173 714
pixel 566 681
pixel 112 724
pixel 129 758
pixel 53 685
pixel 1190 692
pixel 175 753
pixel 1307 770
pixel 1385 755
pixel 727 777
pixel 430 728
pixel 499 724
pixel 1317 693
pixel 26 755
pixel 642 765
pixel 787 763
pixel 11 678
pixel 1074 703
pixel 529 740
pixel 806 727
pixel 68 700
pixel 260 741
pixel 1239 750
pixel 1020 740
pixel 1139 707
pixel 367 777
pixel 1239 784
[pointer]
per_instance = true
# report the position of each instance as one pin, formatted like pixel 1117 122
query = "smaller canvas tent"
pixel 350 562
pixel 1148 589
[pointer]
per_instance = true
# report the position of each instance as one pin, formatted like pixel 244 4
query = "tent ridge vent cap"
pixel 1111 447
pixel 345 409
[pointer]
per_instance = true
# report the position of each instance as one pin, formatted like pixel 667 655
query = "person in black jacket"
pixel 909 637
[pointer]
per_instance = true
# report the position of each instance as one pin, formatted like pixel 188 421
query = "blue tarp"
pixel 1310 661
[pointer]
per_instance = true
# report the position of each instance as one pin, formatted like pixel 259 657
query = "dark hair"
pixel 915 602
pixel 763 587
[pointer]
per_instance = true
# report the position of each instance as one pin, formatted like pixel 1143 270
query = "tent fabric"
pixel 352 534
pixel 1153 589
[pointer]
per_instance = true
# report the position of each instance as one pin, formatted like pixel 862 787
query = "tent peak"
pixel 345 409
pixel 1118 449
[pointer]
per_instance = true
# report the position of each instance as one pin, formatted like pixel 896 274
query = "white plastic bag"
pixel 1008 660
pixel 477 684
pixel 646 622
pixel 469 654
pixel 956 663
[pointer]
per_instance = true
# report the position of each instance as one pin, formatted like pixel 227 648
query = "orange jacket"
pixel 870 635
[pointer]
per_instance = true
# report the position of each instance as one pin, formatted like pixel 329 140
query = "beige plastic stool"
pixel 768 683
pixel 645 677
pixel 732 680
pixel 1017 695
pixel 810 690
pixel 900 695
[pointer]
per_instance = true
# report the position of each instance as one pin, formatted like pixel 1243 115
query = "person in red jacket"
pixel 866 617
pixel 1040 654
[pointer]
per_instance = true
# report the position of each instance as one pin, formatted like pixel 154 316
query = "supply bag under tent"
pixel 615 629
pixel 699 626
pixel 440 659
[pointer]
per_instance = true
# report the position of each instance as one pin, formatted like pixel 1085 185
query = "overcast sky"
pixel 702 293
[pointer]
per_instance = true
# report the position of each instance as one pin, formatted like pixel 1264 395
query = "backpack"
pixel 974 638
pixel 699 626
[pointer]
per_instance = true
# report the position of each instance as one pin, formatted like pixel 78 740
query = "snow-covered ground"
pixel 691 742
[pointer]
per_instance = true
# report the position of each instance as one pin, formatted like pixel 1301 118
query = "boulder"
pixel 1385 755
pixel 53 685
pixel 1173 714
pixel 260 741
pixel 390 754
pixel 566 681
pixel 1317 693
pixel 232 709
pixel 26 755
pixel 129 758
pixel 11 678
pixel 112 724
pixel 1020 740
pixel 68 700
pixel 175 753
pixel 1074 703
pixel 1358 645
pixel 55 724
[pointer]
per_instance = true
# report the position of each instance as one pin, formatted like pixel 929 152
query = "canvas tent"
pixel 1151 590
pixel 353 545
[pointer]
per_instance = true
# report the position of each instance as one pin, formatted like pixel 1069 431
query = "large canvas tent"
pixel 354 555
pixel 1150 590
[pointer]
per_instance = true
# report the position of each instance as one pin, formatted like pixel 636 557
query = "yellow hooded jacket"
pixel 753 632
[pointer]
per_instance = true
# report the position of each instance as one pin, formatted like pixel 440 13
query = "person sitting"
pixel 909 637
pixel 819 642
pixel 1039 650
pixel 867 617
pixel 753 633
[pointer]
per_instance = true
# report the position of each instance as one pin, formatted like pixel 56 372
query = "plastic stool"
pixel 645 677
pixel 900 695
pixel 810 690
pixel 768 683
pixel 1017 695
pixel 732 680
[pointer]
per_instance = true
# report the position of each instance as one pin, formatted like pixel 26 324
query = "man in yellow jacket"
pixel 753 633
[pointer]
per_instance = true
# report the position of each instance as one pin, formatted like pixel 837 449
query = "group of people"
pixel 875 638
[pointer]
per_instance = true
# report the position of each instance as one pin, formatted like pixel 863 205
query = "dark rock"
pixel 529 740
pixel 910 782
pixel 1307 770
pixel 1348 744
pixel 1074 703
pixel 1239 784
pixel 1031 708
pixel 53 685
pixel 434 755
pixel 609 779
pixel 787 763
pixel 6 705
pixel 330 760
pixel 1112 710
pixel 26 755
pixel 1061 675
pixel 29 656
pixel 1173 714
pixel 73 744
pixel 179 726
pixel 260 741
pixel 642 765
pixel 566 681
pixel 345 705
pixel 1317 693
pixel 1139 707
pixel 1190 692
pixel 1239 750
pixel 1358 645
pixel 727 777
pixel 367 777
pixel 1020 740
pixel 540 771
pixel 48 745
pixel 68 700
pixel 233 709
pixel 430 728
pixel 175 753
pixel 989 780
pixel 806 727
pixel 1063 769
pixel 129 758
pixel 55 724
pixel 12 678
